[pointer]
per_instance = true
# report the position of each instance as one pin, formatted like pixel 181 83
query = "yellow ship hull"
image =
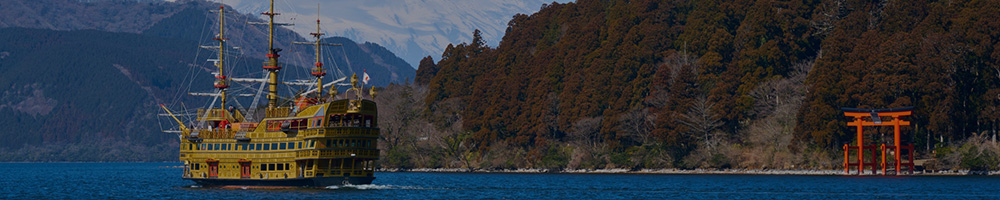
pixel 322 145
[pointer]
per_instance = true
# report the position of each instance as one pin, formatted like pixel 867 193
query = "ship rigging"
pixel 312 139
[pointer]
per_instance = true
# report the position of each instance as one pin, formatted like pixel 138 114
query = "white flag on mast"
pixel 366 76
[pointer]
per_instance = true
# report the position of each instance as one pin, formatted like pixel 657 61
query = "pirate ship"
pixel 321 140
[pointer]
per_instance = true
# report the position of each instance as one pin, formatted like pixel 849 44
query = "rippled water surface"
pixel 162 181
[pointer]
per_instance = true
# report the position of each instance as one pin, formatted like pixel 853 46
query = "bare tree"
pixel 701 120
pixel 457 145
pixel 402 108
pixel 587 132
pixel 777 103
pixel 636 125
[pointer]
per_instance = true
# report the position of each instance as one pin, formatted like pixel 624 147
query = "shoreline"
pixel 675 171
pixel 670 171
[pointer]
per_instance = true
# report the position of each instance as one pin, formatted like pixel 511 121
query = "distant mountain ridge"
pixel 186 19
pixel 412 29
pixel 65 92
pixel 93 95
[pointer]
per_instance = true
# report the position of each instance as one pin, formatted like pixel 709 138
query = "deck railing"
pixel 340 132
pixel 342 153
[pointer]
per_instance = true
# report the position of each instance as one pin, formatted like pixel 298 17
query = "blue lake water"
pixel 162 181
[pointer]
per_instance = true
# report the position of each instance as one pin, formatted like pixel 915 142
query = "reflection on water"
pixel 158 180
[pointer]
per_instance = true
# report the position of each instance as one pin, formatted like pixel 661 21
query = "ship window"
pixel 328 144
pixel 251 147
pixel 270 167
pixel 368 143
pixel 368 122
pixel 312 144
pixel 299 145
pixel 281 167
pixel 291 145
pixel 259 146
pixel 274 146
pixel 286 166
pixel 281 146
pixel 263 167
pixel 267 147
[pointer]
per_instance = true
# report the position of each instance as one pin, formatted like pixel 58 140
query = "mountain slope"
pixel 93 95
pixel 185 19
pixel 83 89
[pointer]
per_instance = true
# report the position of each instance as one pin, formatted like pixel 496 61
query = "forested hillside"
pixel 707 84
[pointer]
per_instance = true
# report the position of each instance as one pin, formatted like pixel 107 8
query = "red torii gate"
pixel 875 119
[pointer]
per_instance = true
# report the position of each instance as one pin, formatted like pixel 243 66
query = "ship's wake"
pixel 373 187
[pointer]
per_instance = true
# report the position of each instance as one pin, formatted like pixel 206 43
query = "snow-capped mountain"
pixel 412 29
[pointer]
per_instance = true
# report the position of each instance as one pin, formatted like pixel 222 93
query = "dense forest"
pixel 703 84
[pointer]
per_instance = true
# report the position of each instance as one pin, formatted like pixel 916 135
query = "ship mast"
pixel 221 83
pixel 271 65
pixel 318 70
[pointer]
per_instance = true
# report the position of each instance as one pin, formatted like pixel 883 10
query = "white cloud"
pixel 412 29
